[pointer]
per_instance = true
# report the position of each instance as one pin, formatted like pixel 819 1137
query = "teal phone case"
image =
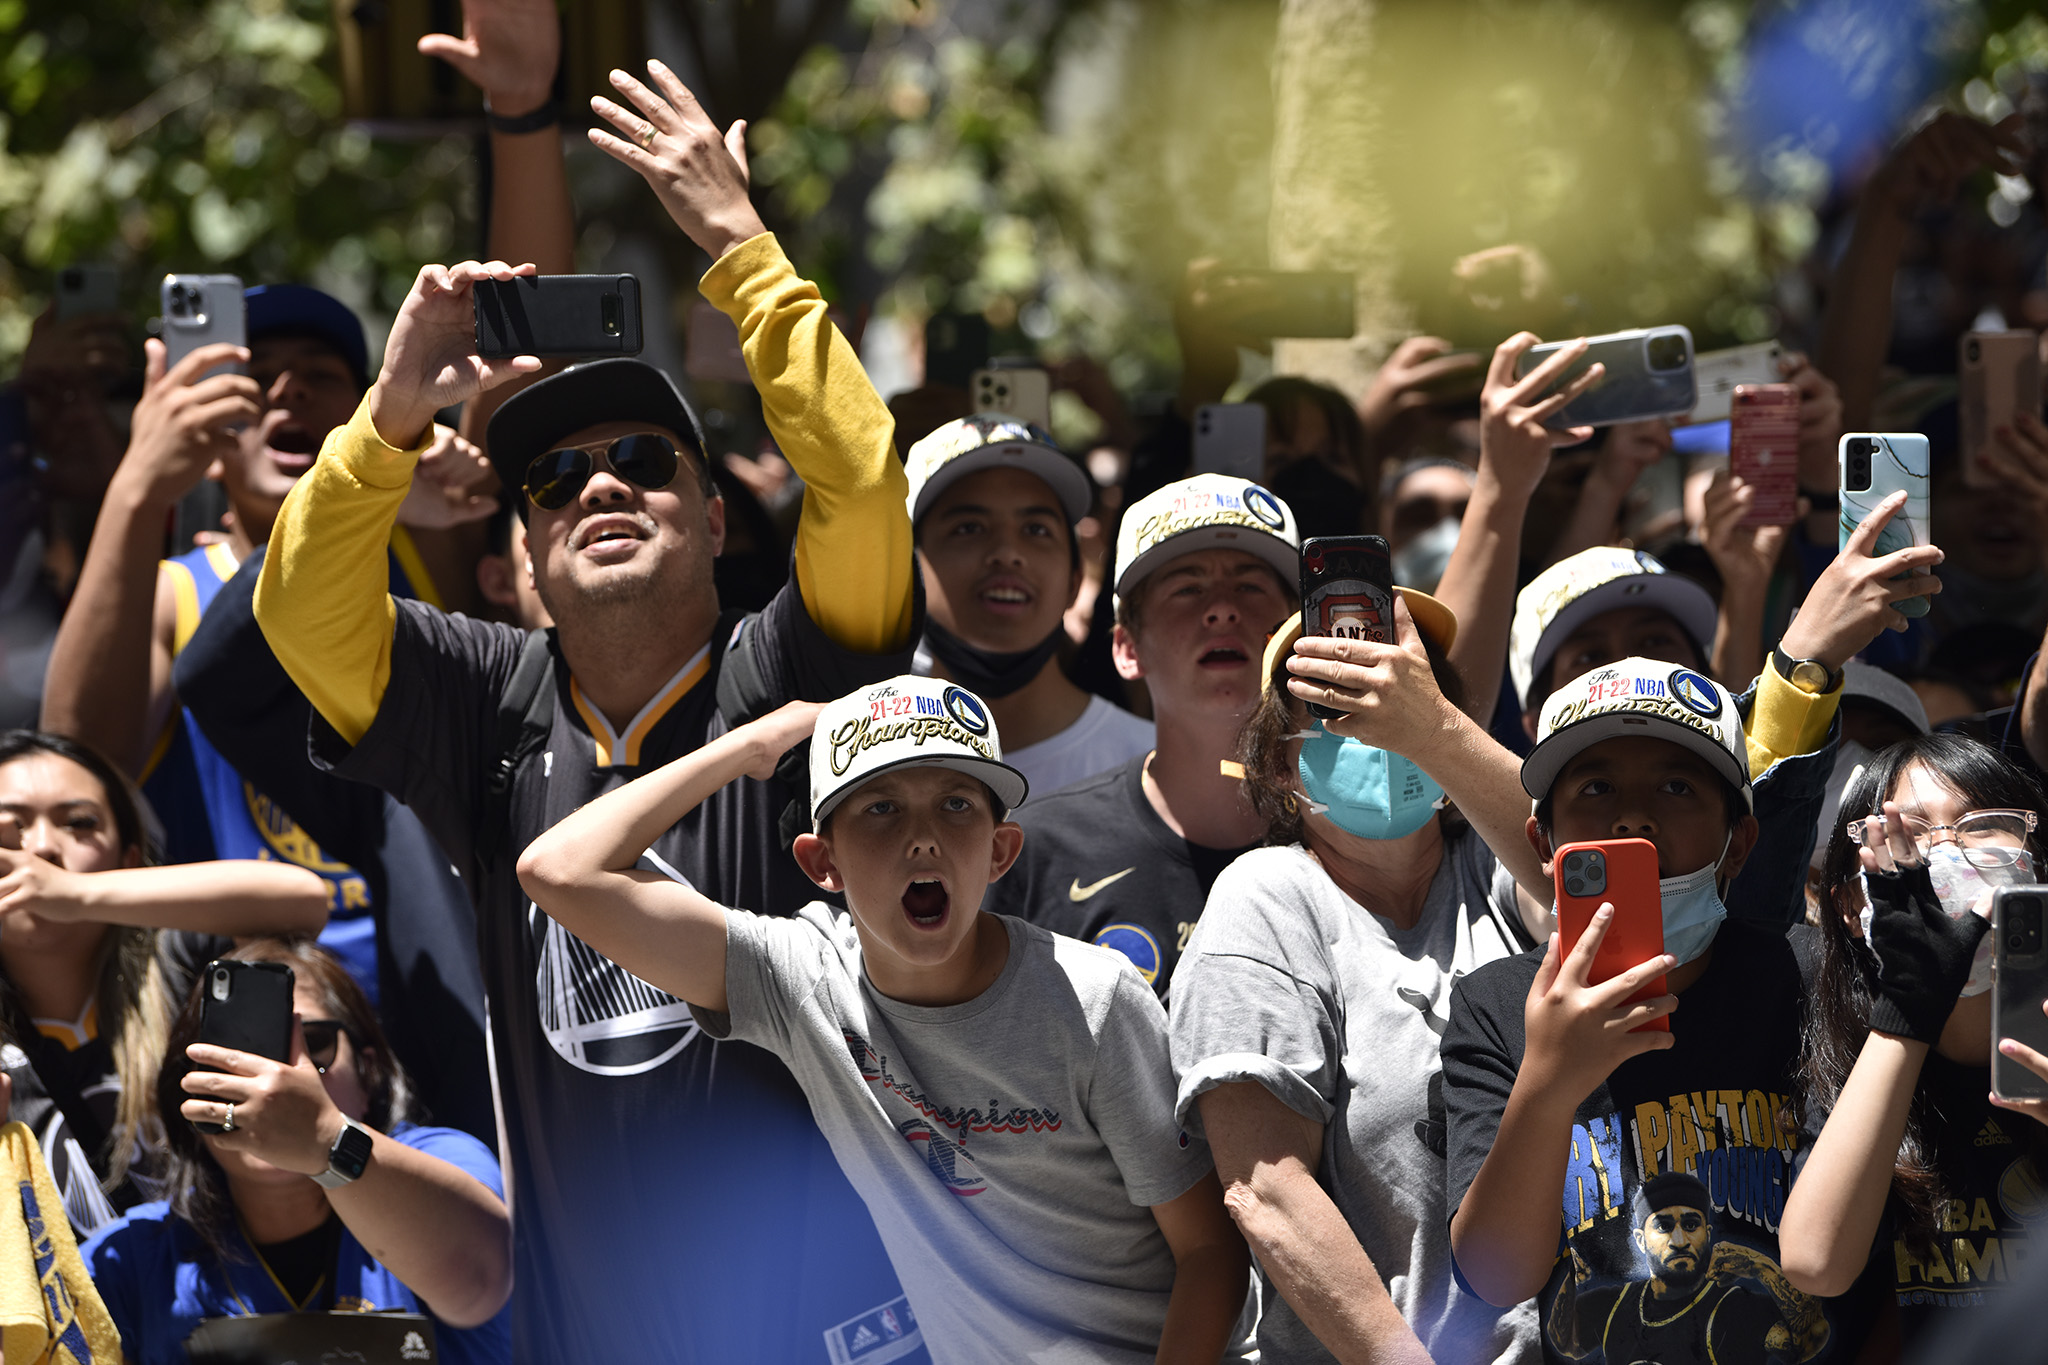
pixel 1900 461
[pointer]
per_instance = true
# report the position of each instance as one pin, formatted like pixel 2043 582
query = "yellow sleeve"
pixel 853 545
pixel 1786 721
pixel 324 599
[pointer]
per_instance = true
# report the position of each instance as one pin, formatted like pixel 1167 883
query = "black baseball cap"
pixel 302 309
pixel 621 389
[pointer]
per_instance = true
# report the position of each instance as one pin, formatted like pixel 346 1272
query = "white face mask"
pixel 1421 562
pixel 1693 909
pixel 1959 884
pixel 1849 760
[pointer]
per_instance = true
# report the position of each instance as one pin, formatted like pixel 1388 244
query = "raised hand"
pixel 509 49
pixel 32 885
pixel 1514 445
pixel 1579 1032
pixel 776 733
pixel 430 360
pixel 1387 693
pixel 1744 555
pixel 700 175
pixel 181 425
pixel 1929 166
pixel 1853 601
pixel 1403 382
pixel 2019 457
pixel 1924 956
pixel 452 485
pixel 283 1113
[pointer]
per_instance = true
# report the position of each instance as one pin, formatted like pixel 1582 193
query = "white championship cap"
pixel 1206 512
pixel 906 722
pixel 993 440
pixel 1574 590
pixel 1648 697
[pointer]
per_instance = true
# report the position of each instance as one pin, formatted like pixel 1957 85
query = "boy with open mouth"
pixel 1001 1096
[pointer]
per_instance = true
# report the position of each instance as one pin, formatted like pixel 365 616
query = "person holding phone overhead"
pixel 319 1157
pixel 1672 1151
pixel 1916 1174
pixel 1307 1005
pixel 84 994
pixel 491 735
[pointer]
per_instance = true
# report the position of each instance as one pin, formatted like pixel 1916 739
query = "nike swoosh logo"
pixel 1078 893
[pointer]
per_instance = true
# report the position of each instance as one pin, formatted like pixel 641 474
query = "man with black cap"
pixel 752 1246
pixel 140 671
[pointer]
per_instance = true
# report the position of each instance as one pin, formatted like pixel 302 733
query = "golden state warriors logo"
pixel 966 708
pixel 1136 944
pixel 1696 693
pixel 1264 506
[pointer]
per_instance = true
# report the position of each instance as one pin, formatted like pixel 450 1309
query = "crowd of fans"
pixel 950 926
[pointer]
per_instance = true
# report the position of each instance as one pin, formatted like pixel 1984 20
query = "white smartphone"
pixel 1718 372
pixel 200 310
pixel 1022 391
pixel 1230 438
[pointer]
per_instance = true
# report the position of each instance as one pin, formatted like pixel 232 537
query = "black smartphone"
pixel 1649 373
pixel 2019 984
pixel 1291 303
pixel 246 1006
pixel 558 315
pixel 955 346
pixel 86 290
pixel 1347 591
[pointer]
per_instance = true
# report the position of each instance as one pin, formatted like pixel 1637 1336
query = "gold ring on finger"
pixel 647 138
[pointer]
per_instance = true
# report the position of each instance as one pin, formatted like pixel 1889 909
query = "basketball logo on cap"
pixel 1264 506
pixel 1696 693
pixel 966 708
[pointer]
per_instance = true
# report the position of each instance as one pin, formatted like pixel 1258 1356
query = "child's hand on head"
pixel 1578 1032
pixel 776 733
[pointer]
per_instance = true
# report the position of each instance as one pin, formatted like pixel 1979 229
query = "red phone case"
pixel 1636 933
pixel 1763 450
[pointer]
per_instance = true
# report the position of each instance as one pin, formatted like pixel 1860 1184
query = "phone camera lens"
pixel 1667 352
pixel 1974 353
pixel 73 278
pixel 220 983
pixel 1575 886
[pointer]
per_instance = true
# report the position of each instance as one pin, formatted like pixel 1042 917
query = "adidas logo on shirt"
pixel 1991 1135
pixel 864 1338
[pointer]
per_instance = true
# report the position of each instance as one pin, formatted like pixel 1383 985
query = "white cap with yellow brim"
pixel 1652 698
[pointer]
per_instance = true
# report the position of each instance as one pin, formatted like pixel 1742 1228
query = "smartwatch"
pixel 1810 676
pixel 348 1157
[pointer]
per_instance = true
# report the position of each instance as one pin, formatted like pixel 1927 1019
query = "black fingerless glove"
pixel 1923 956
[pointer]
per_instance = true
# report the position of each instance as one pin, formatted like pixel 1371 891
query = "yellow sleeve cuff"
pixel 1786 721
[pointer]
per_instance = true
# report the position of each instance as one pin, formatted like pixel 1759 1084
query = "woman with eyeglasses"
pixel 83 994
pixel 323 1193
pixel 1916 1175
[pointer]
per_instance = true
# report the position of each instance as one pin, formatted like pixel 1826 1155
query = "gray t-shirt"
pixel 1291 983
pixel 1009 1148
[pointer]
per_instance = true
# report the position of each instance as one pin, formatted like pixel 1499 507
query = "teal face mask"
pixel 1365 791
pixel 1692 909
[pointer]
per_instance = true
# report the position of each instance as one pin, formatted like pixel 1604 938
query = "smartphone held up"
pixel 566 316
pixel 1347 592
pixel 2019 986
pixel 247 1007
pixel 1621 873
pixel 1873 466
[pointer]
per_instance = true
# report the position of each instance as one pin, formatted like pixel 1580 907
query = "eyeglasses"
pixel 1987 838
pixel 323 1040
pixel 643 459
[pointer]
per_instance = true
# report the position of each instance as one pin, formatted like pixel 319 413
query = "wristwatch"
pixel 1810 676
pixel 347 1158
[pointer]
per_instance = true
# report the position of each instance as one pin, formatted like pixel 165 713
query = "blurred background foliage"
pixel 1052 164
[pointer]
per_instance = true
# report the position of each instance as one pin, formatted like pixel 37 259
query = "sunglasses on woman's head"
pixel 323 1040
pixel 642 459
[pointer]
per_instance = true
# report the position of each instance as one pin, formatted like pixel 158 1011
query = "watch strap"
pixel 1788 667
pixel 348 1157
pixel 546 116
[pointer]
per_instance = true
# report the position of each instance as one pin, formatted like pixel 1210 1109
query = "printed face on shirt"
pixel 916 849
pixel 998 568
pixel 1636 787
pixel 1623 633
pixel 619 543
pixel 308 391
pixel 1203 620
pixel 57 810
pixel 1679 1241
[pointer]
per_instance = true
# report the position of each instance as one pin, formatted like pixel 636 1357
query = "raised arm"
pixel 582 871
pixel 1514 450
pixel 237 898
pixel 109 682
pixel 853 547
pixel 323 600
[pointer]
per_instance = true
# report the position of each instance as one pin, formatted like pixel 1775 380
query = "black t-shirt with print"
pixel 1100 865
pixel 1675 1283
pixel 1988 1159
pixel 675 1199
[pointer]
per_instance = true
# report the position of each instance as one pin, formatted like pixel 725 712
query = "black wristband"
pixel 1830 501
pixel 546 116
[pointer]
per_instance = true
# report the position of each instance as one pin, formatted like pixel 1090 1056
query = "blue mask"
pixel 1365 791
pixel 1692 909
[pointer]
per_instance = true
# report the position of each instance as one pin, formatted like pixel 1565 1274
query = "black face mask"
pixel 983 672
pixel 1324 502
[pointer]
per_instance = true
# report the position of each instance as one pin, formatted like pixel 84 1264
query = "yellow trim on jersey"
pixel 416 575
pixel 186 593
pixel 73 1034
pixel 222 557
pixel 612 747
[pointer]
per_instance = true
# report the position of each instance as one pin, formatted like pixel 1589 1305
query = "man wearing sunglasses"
pixel 676 1201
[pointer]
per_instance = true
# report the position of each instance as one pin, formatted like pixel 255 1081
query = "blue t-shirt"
pixel 159 1280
